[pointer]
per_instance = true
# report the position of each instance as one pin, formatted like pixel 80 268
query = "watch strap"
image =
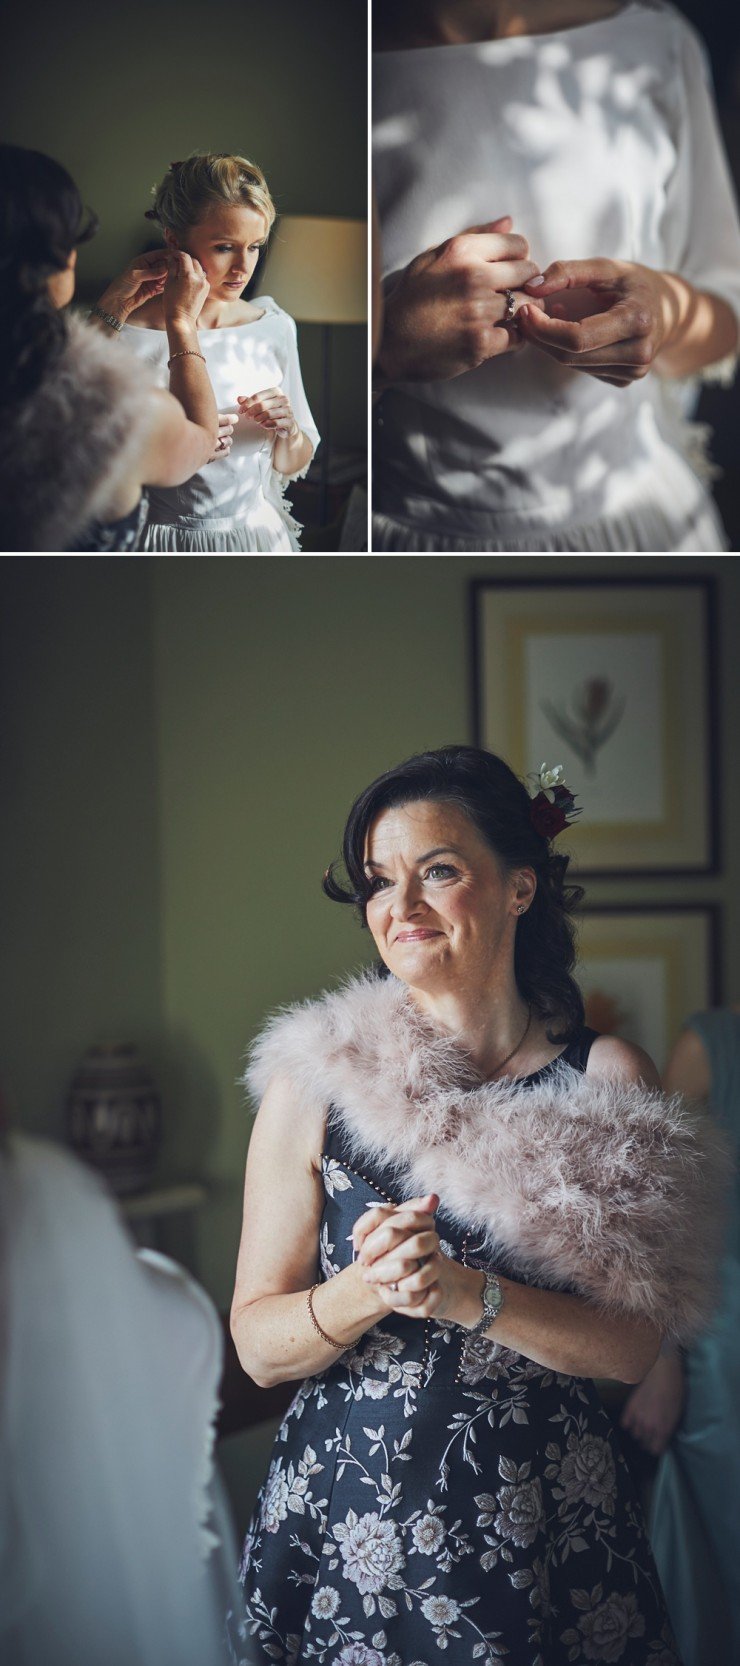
pixel 107 317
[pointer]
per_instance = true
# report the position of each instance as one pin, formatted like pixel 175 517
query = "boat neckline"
pixel 508 40
pixel 144 329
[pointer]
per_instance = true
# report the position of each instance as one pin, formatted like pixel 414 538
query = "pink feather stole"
pixel 611 1188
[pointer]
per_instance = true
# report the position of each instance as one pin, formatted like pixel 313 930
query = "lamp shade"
pixel 317 269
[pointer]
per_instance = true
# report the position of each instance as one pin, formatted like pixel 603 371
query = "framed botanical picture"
pixel 643 971
pixel 616 681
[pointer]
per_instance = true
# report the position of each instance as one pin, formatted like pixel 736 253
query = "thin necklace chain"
pixel 514 1050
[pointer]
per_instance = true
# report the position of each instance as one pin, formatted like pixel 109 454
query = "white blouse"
pixel 235 503
pixel 601 140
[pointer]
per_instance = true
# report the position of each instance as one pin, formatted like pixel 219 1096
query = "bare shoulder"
pixel 621 1061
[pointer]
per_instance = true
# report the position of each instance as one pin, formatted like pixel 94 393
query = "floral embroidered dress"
pixel 433 1497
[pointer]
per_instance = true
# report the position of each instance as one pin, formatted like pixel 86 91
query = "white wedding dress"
pixel 600 140
pixel 235 504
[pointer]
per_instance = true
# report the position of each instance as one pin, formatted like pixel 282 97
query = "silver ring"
pixel 511 308
pixel 393 1287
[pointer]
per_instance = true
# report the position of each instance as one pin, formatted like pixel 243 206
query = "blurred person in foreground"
pixel 115 1544
pixel 82 433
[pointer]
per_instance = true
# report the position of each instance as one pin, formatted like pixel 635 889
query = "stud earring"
pixel 520 909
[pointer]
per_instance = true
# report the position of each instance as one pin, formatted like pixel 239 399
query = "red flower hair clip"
pixel 553 806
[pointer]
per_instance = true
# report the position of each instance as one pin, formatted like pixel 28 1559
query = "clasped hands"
pixel 271 409
pixel 399 1257
pixel 447 311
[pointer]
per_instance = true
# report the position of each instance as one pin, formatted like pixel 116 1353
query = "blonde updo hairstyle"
pixel 205 179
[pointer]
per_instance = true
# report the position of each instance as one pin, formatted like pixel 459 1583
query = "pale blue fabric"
pixel 696 1506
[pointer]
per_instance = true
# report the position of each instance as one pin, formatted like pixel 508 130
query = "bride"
pixel 218 210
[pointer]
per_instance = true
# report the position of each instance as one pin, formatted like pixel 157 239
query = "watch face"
pixel 493 1295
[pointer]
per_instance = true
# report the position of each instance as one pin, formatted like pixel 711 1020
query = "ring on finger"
pixel 511 308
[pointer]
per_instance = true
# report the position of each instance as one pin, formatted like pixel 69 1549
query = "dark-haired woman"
pixel 81 434
pixel 461 1206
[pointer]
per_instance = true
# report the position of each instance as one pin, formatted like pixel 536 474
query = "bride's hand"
pixel 186 289
pixel 611 322
pixel 447 311
pixel 272 410
pixel 227 421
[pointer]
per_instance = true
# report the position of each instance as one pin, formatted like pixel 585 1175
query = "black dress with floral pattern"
pixel 435 1498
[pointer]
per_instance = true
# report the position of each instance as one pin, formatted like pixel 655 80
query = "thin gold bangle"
pixel 340 1346
pixel 186 353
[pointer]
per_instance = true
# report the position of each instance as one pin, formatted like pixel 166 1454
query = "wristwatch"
pixel 107 317
pixel 492 1297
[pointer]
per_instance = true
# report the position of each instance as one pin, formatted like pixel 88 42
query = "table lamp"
pixel 317 271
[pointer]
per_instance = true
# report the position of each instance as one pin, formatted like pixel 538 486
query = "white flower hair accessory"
pixel 548 778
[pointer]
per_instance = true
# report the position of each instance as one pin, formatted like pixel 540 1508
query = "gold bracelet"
pixel 340 1346
pixel 186 353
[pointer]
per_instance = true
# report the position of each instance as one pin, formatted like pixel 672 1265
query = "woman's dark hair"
pixel 42 219
pixel 499 806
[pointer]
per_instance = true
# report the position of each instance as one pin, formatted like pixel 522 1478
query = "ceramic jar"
pixel 114 1116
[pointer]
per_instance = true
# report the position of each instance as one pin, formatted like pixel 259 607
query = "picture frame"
pixel 645 968
pixel 616 681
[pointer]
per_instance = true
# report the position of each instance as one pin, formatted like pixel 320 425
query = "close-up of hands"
pixel 144 277
pixel 398 1253
pixel 447 310
pixel 186 288
pixel 611 321
pixel 272 410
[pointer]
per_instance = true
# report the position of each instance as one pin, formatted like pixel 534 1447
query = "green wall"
pixel 180 743
pixel 80 940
